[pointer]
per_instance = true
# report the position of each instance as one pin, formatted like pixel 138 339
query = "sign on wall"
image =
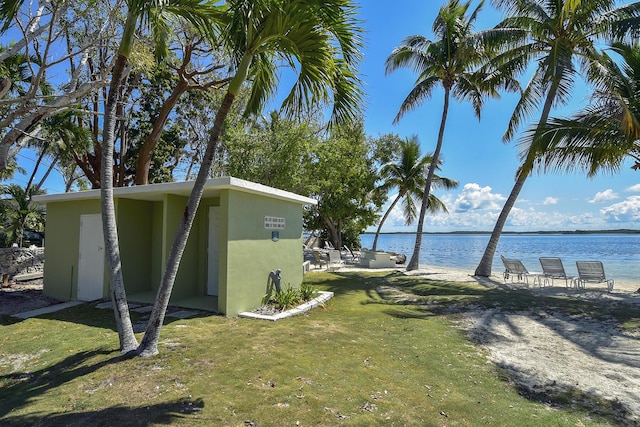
pixel 274 223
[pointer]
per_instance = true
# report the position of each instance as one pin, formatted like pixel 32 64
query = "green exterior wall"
pixel 135 233
pixel 252 255
pixel 62 247
pixel 146 231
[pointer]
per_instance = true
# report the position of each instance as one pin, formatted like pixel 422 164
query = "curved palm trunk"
pixel 484 268
pixel 384 218
pixel 413 263
pixel 128 341
pixel 486 262
pixel 149 344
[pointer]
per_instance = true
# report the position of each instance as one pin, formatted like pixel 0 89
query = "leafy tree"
pixel 272 150
pixel 604 133
pixel 451 61
pixel 560 37
pixel 185 78
pixel 321 39
pixel 406 172
pixel 342 176
pixel 45 48
pixel 19 213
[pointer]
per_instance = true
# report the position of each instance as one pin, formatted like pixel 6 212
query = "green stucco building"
pixel 242 232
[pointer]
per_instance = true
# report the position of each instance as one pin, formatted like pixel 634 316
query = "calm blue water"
pixel 620 253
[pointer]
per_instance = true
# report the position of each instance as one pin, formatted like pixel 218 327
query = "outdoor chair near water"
pixel 335 259
pixel 514 269
pixel 593 272
pixel 552 268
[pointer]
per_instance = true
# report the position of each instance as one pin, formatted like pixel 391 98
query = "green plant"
pixel 287 298
pixel 306 291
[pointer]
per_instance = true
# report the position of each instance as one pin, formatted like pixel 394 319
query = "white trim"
pixel 156 191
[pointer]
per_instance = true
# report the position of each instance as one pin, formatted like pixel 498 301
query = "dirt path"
pixel 23 296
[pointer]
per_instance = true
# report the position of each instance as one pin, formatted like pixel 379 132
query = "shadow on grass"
pixel 87 314
pixel 564 312
pixel 19 388
pixel 161 413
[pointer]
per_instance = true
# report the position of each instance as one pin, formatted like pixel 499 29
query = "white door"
pixel 91 258
pixel 213 252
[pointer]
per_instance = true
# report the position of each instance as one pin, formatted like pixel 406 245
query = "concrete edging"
pixel 323 297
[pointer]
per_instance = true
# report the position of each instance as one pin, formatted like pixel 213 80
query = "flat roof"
pixel 156 192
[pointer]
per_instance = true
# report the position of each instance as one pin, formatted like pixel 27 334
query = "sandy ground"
pixel 547 352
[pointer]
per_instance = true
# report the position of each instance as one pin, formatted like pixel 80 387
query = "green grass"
pixel 360 360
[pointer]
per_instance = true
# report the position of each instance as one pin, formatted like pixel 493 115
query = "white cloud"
pixel 625 211
pixel 550 201
pixel 604 196
pixel 474 197
pixel 633 189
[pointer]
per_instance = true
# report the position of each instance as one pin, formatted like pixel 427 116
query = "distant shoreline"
pixel 619 231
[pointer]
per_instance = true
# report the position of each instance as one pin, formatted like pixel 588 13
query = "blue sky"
pixel 473 151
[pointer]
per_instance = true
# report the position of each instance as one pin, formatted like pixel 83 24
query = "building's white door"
pixel 91 258
pixel 213 252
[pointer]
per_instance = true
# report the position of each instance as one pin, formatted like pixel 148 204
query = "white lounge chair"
pixel 335 259
pixel 552 268
pixel 591 271
pixel 513 268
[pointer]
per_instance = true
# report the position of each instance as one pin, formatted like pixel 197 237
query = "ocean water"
pixel 620 253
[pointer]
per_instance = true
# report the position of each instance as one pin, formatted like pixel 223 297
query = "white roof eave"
pixel 155 192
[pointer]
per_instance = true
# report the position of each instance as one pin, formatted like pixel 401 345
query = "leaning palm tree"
pixel 156 15
pixel 449 61
pixel 607 131
pixel 407 174
pixel 321 40
pixel 560 37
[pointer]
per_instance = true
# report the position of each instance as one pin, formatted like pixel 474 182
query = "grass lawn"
pixel 360 360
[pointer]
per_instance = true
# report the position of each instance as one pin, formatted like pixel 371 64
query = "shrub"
pixel 306 291
pixel 287 298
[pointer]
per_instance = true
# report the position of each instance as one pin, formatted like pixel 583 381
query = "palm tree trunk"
pixel 149 344
pixel 128 341
pixel 484 268
pixel 413 263
pixel 486 262
pixel 384 218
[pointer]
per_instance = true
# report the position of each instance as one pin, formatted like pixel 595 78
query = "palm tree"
pixel 18 213
pixel 155 14
pixel 407 174
pixel 559 36
pixel 450 61
pixel 321 40
pixel 607 131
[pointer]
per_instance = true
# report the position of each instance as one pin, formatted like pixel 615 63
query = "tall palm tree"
pixel 156 15
pixel 607 131
pixel 560 37
pixel 321 40
pixel 450 61
pixel 407 174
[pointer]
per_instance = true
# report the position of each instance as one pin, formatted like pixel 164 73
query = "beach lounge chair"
pixel 319 258
pixel 513 268
pixel 592 271
pixel 552 268
pixel 335 259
